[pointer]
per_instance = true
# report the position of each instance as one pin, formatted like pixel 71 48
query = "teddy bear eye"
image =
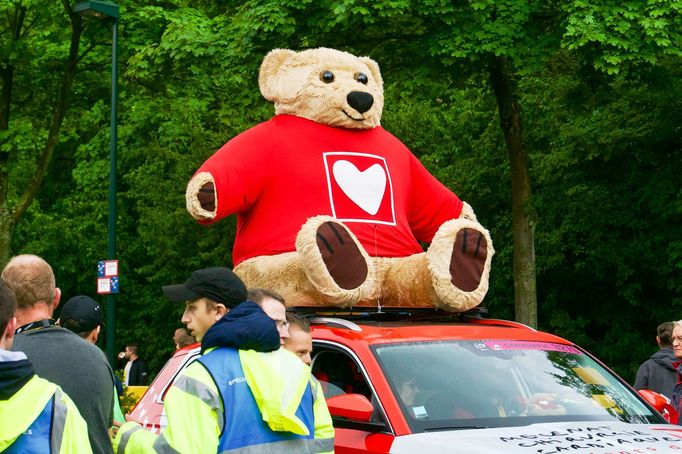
pixel 327 77
pixel 362 78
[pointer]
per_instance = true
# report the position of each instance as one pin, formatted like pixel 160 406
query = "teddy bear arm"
pixel 201 197
pixel 467 213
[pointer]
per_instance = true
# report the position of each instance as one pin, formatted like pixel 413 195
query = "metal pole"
pixel 111 312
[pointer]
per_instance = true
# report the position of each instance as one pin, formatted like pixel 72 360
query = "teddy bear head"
pixel 324 85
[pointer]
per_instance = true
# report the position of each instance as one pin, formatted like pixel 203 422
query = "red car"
pixel 423 381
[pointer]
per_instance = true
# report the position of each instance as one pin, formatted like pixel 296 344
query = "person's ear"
pixel 220 310
pixel 95 333
pixel 8 335
pixel 57 297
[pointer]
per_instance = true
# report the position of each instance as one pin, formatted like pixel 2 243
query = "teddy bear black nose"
pixel 360 101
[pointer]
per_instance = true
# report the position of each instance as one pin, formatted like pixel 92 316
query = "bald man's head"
pixel 32 280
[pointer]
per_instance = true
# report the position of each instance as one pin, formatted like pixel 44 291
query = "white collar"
pixel 7 356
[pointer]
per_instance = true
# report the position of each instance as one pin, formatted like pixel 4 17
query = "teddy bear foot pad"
pixel 468 259
pixel 341 256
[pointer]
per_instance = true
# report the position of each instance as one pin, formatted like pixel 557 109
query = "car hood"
pixel 596 437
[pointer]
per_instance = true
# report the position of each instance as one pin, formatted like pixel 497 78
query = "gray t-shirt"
pixel 81 369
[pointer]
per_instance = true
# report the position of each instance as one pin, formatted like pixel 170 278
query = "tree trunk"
pixel 5 239
pixel 523 214
pixel 11 214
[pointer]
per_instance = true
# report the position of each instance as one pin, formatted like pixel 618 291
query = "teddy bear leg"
pixel 402 282
pixel 334 260
pixel 459 260
pixel 283 274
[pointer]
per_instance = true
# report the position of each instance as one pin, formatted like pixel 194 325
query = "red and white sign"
pixel 360 187
pixel 107 277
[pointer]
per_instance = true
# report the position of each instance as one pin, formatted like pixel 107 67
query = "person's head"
pixel 274 306
pixel 82 315
pixel 664 334
pixel 208 294
pixel 300 341
pixel 177 335
pixel 182 338
pixel 677 338
pixel 33 283
pixel 131 352
pixel 8 323
pixel 407 389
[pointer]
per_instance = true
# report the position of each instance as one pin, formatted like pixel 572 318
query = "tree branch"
pixel 60 108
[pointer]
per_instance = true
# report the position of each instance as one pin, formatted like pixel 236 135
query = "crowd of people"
pixel 59 394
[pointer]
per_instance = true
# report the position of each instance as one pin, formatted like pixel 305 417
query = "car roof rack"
pixel 338 316
pixel 349 318
pixel 335 322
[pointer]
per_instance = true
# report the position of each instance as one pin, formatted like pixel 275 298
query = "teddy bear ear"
pixel 374 69
pixel 269 72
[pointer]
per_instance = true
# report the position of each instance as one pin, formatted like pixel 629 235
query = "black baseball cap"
pixel 217 283
pixel 84 310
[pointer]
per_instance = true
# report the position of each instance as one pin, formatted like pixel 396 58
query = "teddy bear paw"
pixel 468 259
pixel 206 196
pixel 341 255
pixel 200 197
pixel 334 260
pixel 459 262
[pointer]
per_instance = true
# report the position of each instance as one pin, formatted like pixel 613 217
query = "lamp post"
pixel 104 9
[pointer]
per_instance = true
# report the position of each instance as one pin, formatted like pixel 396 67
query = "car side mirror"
pixel 661 404
pixel 355 407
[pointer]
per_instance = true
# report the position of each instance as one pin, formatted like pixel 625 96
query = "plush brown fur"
pixel 419 280
pixel 293 82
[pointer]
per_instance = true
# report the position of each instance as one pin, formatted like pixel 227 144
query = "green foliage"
pixel 598 83
pixel 626 34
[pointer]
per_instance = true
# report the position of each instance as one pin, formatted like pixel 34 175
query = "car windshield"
pixel 476 384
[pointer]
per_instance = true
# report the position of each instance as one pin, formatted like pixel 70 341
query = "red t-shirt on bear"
pixel 279 173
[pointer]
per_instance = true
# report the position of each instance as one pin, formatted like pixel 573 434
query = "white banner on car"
pixel 594 437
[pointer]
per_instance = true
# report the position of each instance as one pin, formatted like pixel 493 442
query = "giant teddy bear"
pixel 331 208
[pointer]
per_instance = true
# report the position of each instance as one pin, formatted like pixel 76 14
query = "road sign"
pixel 107 277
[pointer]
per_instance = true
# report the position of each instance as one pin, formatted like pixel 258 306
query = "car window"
pixel 503 383
pixel 339 373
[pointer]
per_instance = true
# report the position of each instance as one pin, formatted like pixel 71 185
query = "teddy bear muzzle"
pixel 360 101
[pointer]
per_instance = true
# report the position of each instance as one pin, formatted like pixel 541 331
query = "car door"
pixel 340 372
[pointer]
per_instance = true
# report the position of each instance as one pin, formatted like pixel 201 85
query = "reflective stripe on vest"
pixel 309 445
pixel 202 392
pixel 124 439
pixel 161 446
pixel 244 430
pixel 46 432
pixel 58 422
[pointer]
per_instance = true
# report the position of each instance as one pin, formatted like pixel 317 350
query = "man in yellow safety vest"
pixel 35 414
pixel 245 392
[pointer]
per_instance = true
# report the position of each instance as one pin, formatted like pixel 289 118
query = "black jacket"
pixel 138 373
pixel 658 373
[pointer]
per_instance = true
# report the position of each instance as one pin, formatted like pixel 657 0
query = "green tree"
pixel 506 40
pixel 587 91
pixel 38 56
